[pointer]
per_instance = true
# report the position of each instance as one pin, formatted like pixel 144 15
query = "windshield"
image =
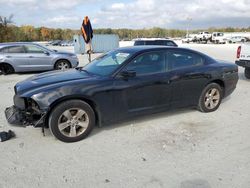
pixel 107 63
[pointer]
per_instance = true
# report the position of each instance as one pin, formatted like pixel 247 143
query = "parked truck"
pixel 203 37
pixel 243 58
pixel 218 38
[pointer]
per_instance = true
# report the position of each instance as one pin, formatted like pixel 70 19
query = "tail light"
pixel 238 52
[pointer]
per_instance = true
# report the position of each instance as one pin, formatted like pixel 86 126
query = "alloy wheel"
pixel 212 98
pixel 73 122
pixel 63 65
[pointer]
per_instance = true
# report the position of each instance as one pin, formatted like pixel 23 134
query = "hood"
pixel 63 53
pixel 66 53
pixel 52 77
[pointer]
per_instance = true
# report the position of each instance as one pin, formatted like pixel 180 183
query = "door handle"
pixel 8 56
pixel 174 78
pixel 31 56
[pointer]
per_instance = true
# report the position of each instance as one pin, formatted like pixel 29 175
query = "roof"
pixel 150 39
pixel 16 43
pixel 136 49
pixel 145 48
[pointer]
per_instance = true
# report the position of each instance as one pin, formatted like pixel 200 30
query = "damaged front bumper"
pixel 18 117
pixel 15 116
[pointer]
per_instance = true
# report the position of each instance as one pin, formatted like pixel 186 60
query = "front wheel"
pixel 71 121
pixel 6 69
pixel 247 73
pixel 62 65
pixel 210 98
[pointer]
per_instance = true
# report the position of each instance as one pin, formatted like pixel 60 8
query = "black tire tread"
pixel 201 105
pixel 247 73
pixel 7 69
pixel 60 108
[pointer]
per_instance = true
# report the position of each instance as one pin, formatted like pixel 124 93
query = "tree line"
pixel 11 33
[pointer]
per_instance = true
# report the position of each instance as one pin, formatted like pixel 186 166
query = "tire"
pixel 62 65
pixel 210 98
pixel 7 69
pixel 247 73
pixel 66 125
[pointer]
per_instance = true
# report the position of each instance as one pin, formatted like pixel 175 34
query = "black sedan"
pixel 120 84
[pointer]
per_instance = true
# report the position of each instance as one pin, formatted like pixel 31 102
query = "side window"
pixel 169 43
pixel 15 49
pixel 4 50
pixel 138 43
pixel 33 49
pixel 159 42
pixel 148 63
pixel 182 59
pixel 149 42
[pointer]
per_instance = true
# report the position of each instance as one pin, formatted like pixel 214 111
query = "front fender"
pixel 4 60
pixel 46 99
pixel 46 95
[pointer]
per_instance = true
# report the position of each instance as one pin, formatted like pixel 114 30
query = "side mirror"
pixel 46 53
pixel 128 74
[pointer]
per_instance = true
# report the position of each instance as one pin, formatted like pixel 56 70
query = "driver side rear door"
pixel 39 59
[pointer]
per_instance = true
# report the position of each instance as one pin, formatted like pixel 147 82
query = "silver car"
pixel 27 56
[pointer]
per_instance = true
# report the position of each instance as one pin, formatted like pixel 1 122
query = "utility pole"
pixel 189 19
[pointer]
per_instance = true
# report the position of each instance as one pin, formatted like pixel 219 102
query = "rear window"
pixel 155 42
pixel 170 43
pixel 13 49
pixel 3 50
pixel 183 59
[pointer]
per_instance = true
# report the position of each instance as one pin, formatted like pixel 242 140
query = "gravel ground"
pixel 175 149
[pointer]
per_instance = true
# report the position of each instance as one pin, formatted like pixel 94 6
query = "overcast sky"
pixel 129 14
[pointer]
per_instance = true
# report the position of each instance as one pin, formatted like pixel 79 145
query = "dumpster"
pixel 100 43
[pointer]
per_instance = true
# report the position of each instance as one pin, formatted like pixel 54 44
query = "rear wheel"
pixel 71 121
pixel 210 98
pixel 247 73
pixel 6 69
pixel 62 65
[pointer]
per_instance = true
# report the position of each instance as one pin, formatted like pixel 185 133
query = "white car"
pixel 187 40
pixel 237 39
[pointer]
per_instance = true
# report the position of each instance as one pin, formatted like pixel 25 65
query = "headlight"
pixel 19 102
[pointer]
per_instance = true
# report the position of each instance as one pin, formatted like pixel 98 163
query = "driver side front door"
pixel 39 59
pixel 149 89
